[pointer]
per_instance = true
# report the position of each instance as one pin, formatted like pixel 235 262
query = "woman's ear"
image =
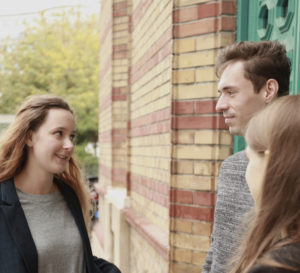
pixel 29 141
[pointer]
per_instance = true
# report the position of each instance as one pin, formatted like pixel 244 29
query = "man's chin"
pixel 235 131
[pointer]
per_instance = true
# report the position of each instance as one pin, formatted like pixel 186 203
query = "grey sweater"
pixel 233 201
pixel 54 232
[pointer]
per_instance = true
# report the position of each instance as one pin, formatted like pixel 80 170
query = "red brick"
pixel 196 28
pixel 151 118
pixel 120 13
pixel 119 175
pixel 119 90
pixel 228 7
pixel 227 23
pixel 165 51
pixel 152 62
pixel 205 107
pixel 120 5
pixel 203 198
pixel 155 185
pixel 115 135
pixel 180 196
pixel 191 212
pixel 120 97
pixel 119 135
pixel 139 12
pixel 118 48
pixel 161 41
pixel 183 107
pixel 198 122
pixel 120 55
pixel 149 193
pixel 156 128
pixel 185 14
pixel 141 68
pixel 208 10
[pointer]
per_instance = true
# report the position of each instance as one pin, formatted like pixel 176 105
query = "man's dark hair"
pixel 262 61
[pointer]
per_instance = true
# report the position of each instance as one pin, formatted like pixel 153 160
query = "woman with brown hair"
pixel 272 243
pixel 43 198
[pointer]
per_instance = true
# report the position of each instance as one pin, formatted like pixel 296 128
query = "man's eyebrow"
pixel 226 88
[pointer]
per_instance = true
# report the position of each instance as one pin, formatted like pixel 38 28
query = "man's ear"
pixel 270 90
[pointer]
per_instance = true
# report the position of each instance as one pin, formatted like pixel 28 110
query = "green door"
pixel 271 20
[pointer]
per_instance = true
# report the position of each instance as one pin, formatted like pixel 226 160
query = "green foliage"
pixel 58 55
pixel 90 161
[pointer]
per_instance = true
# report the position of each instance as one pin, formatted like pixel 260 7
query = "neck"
pixel 35 183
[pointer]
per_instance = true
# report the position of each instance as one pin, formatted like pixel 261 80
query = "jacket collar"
pixel 18 226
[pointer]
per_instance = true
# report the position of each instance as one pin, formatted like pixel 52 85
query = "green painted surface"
pixel 271 20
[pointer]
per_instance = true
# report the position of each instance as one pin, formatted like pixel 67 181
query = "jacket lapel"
pixel 17 225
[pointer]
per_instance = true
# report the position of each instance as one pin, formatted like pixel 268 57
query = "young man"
pixel 252 74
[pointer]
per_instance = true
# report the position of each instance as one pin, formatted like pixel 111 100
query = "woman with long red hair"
pixel 43 199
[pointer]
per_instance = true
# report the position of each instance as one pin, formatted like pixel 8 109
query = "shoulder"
pixel 237 158
pixel 234 165
pixel 232 186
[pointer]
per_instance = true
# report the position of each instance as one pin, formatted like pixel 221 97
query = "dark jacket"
pixel 18 252
pixel 288 255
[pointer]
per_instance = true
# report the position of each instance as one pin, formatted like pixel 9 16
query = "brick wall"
pixel 159 134
pixel 150 121
pixel 199 137
pixel 105 94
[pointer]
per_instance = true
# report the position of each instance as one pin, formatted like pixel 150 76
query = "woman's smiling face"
pixel 52 144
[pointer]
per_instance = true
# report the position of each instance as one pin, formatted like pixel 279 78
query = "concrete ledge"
pixel 154 236
pixel 99 234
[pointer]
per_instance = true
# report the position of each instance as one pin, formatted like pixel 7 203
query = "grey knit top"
pixel 54 232
pixel 233 201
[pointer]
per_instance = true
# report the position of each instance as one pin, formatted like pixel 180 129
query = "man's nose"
pixel 222 104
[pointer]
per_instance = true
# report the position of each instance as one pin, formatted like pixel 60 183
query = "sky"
pixel 14 12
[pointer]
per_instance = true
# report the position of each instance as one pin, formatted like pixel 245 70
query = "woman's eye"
pixel 58 133
pixel 72 137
